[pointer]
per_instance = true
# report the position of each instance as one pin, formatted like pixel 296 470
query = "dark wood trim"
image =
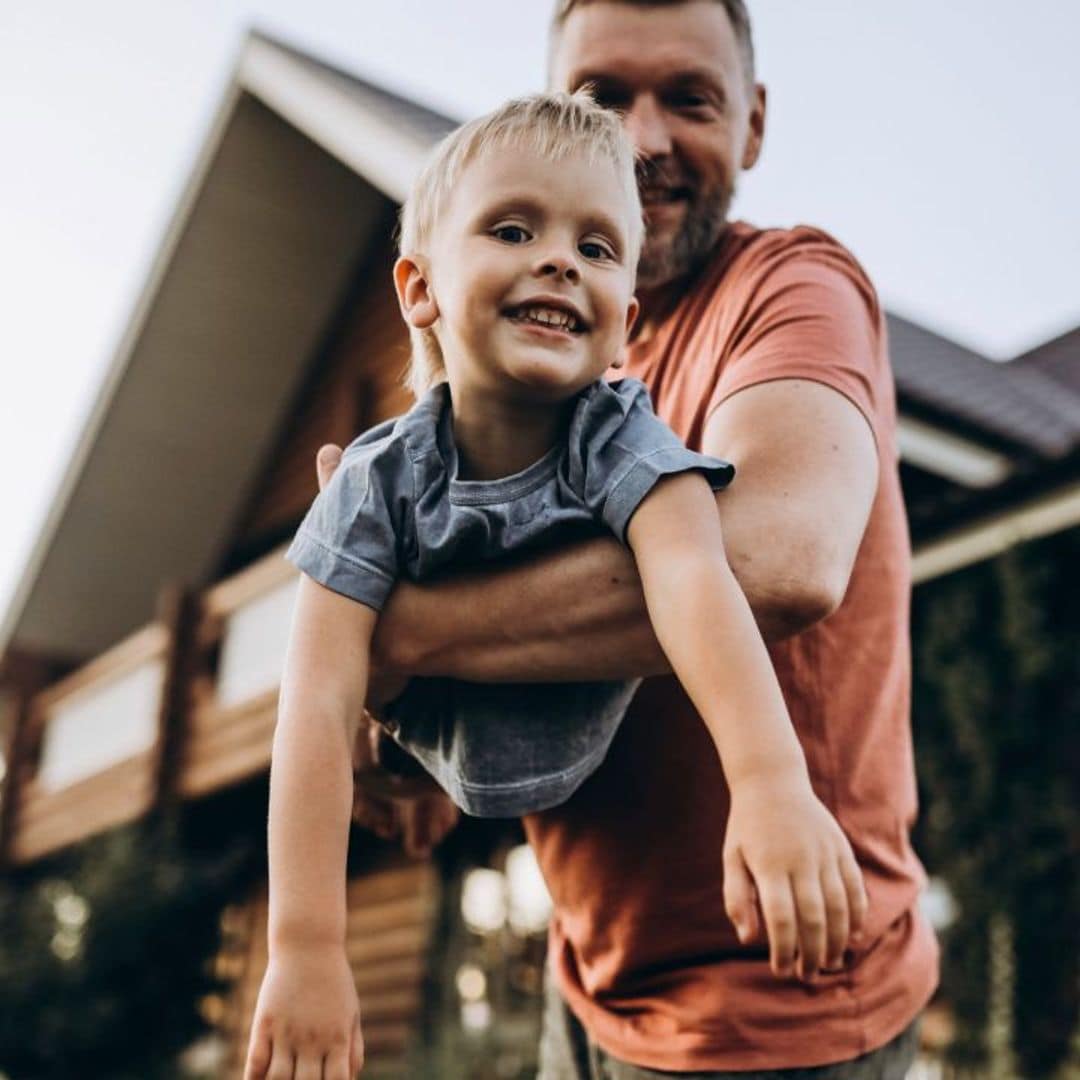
pixel 23 676
pixel 179 611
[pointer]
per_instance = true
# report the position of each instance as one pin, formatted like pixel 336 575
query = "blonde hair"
pixel 553 125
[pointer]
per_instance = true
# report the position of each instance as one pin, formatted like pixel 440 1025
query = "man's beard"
pixel 706 216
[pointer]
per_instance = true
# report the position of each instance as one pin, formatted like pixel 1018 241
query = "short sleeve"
pixel 351 539
pixel 810 313
pixel 620 448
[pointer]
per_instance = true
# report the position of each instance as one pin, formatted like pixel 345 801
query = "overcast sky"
pixel 938 140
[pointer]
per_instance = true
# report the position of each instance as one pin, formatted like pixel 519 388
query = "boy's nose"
pixel 560 266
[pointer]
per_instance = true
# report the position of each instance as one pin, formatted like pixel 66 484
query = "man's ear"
pixel 632 310
pixel 415 298
pixel 756 124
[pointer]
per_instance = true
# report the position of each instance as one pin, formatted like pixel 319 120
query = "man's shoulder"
pixel 752 246
pixel 752 265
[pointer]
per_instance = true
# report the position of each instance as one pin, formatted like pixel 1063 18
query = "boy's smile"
pixel 531 273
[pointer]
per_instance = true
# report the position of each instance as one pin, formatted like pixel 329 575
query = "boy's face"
pixel 531 277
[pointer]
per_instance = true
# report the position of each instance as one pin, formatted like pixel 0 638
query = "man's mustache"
pixel 651 174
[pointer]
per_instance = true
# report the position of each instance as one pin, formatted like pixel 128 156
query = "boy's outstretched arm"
pixel 307 1009
pixel 781 842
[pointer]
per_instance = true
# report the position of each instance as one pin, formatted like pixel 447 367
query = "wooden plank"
pixel 24 675
pixel 35 800
pixel 239 764
pixel 406 879
pixel 211 718
pixel 208 746
pixel 178 612
pixel 149 643
pixel 260 577
pixel 383 1039
pixel 379 1004
pixel 404 911
pixel 393 974
pixel 51 835
pixel 392 943
pixel 86 803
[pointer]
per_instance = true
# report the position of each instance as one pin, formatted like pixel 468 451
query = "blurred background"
pixel 196 207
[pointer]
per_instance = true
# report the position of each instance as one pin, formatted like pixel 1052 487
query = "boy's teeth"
pixel 549 317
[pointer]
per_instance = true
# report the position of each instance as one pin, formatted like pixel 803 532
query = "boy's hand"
pixel 307 1019
pixel 785 854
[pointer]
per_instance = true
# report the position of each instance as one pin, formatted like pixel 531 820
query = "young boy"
pixel 516 277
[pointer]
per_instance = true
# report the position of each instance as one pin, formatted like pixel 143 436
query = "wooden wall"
pixel 357 383
pixel 392 919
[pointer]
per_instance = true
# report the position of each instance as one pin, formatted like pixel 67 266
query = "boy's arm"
pixel 307 1010
pixel 321 701
pixel 793 520
pixel 780 839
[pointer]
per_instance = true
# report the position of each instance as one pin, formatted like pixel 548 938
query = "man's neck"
pixel 657 303
pixel 659 300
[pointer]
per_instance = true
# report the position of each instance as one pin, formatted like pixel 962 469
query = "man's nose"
pixel 647 127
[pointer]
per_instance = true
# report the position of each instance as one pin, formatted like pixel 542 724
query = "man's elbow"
pixel 799 600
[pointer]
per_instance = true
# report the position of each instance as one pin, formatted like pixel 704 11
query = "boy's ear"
pixel 415 298
pixel 632 310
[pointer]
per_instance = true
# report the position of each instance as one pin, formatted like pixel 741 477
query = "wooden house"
pixel 140 656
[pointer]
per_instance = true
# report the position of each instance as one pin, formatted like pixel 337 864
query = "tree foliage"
pixel 105 954
pixel 997 696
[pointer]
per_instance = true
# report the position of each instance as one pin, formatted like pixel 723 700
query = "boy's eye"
pixel 510 234
pixel 593 249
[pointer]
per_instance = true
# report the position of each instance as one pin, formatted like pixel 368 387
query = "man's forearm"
pixel 576 613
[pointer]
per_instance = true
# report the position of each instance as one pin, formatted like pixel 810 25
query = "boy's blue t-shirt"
pixel 396 507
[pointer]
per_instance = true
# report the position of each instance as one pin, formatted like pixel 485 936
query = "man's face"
pixel 676 75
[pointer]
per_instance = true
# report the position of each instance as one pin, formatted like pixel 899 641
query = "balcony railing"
pixel 187 705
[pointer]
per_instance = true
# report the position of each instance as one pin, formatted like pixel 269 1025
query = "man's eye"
pixel 615 100
pixel 510 234
pixel 591 249
pixel 690 101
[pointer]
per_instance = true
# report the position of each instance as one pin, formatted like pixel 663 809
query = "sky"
pixel 937 140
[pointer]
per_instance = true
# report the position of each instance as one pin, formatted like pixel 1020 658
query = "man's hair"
pixel 736 13
pixel 552 125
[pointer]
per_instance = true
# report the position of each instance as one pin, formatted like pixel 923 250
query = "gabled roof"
pixel 1030 406
pixel 296 181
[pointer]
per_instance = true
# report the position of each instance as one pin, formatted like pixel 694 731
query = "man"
pixel 766 348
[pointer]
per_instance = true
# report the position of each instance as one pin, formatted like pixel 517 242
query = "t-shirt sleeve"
pixel 620 448
pixel 810 312
pixel 351 539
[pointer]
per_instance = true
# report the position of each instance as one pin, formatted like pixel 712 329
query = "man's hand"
pixel 415 809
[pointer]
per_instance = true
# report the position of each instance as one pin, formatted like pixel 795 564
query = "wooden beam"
pixel 179 612
pixel 23 676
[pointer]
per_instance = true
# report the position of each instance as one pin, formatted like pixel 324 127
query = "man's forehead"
pixel 643 45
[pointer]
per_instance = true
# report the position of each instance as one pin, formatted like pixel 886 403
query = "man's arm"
pixel 792 520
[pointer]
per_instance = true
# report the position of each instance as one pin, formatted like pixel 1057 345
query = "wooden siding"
pixel 46 820
pixel 391 921
pixel 356 384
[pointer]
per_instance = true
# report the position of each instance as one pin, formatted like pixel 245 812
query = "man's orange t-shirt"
pixel 640 944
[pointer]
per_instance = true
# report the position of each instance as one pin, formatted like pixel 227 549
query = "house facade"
pixel 140 658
